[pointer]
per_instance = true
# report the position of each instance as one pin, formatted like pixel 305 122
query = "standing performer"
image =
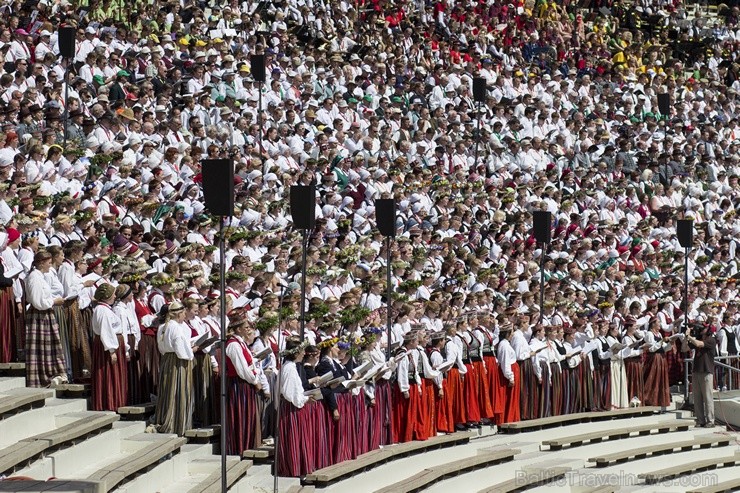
pixel 657 391
pixel 509 373
pixel 45 363
pixel 8 310
pixel 406 392
pixel 454 390
pixel 174 411
pixel 110 353
pixel 618 376
pixel 633 365
pixel 602 370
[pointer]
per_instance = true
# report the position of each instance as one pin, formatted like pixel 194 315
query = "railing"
pixel 726 371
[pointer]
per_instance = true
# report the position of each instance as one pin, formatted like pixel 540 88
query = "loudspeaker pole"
pixel 303 284
pixel 477 140
pixel 388 294
pixel 259 120
pixel 66 102
pixel 276 393
pixel 686 292
pixel 222 363
pixel 542 282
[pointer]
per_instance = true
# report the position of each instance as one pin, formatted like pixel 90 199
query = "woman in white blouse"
pixel 45 363
pixel 174 411
pixel 245 382
pixel 131 330
pixel 109 372
pixel 296 452
pixel 509 375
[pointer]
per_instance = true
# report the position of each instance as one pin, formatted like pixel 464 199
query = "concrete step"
pixel 143 453
pixel 204 475
pixel 169 472
pixel 33 421
pixel 85 458
pixel 9 383
pixel 17 400
pixel 259 479
pixel 71 428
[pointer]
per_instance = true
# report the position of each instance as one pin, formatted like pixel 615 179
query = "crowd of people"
pixel 110 268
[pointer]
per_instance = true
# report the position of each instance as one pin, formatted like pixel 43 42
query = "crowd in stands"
pixel 110 265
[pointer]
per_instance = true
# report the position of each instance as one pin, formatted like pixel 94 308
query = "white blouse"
pixel 107 325
pixel 291 387
pixel 38 291
pixel 174 337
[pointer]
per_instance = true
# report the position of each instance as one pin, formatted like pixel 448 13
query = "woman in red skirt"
pixel 109 354
pixel 657 390
pixel 244 384
pixel 509 373
pixel 148 352
pixel 443 407
pixel 296 440
pixel 470 384
pixel 427 406
pixel 406 392
pixel 454 391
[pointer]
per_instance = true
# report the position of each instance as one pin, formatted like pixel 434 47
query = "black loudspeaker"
pixel 685 232
pixel 257 63
pixel 218 186
pixel 303 206
pixel 385 216
pixel 541 222
pixel 479 89
pixel 67 41
pixel 664 104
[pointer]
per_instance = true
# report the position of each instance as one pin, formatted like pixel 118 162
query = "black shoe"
pixel 709 425
pixel 460 427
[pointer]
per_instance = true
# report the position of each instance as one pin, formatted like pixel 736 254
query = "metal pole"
pixel 303 285
pixel 276 393
pixel 686 290
pixel 542 282
pixel 222 363
pixel 66 102
pixel 389 293
pixel 477 139
pixel 259 120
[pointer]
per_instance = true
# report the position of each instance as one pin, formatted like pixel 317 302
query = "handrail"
pixel 718 361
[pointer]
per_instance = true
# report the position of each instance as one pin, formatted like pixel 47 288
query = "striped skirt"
pixel 64 337
pixel 149 366
pixel 361 424
pixel 634 369
pixel 602 386
pixel 79 342
pixel 383 409
pixel 484 390
pixel 8 326
pixel 44 350
pixel 657 390
pixel 587 386
pixel 295 450
pixel 316 420
pixel 109 380
pixel 544 402
pixel 203 391
pixel 558 389
pixel 443 411
pixel 344 431
pixel 134 373
pixel 528 383
pixel 570 390
pixel 174 411
pixel 243 429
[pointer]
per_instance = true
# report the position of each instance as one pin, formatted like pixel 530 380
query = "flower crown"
pixel 328 342
pixel 163 281
pixel 290 352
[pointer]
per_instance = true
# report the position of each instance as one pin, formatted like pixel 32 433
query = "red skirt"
pixel 443 411
pixel 405 413
pixel 109 380
pixel 361 423
pixel 511 392
pixel 497 402
pixel 243 430
pixel 8 323
pixel 527 389
pixel 148 366
pixel 657 391
pixel 295 457
pixel 316 420
pixel 484 391
pixel 470 386
pixel 602 386
pixel 426 427
pixel 558 389
pixel 383 411
pixel 454 393
pixel 344 431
